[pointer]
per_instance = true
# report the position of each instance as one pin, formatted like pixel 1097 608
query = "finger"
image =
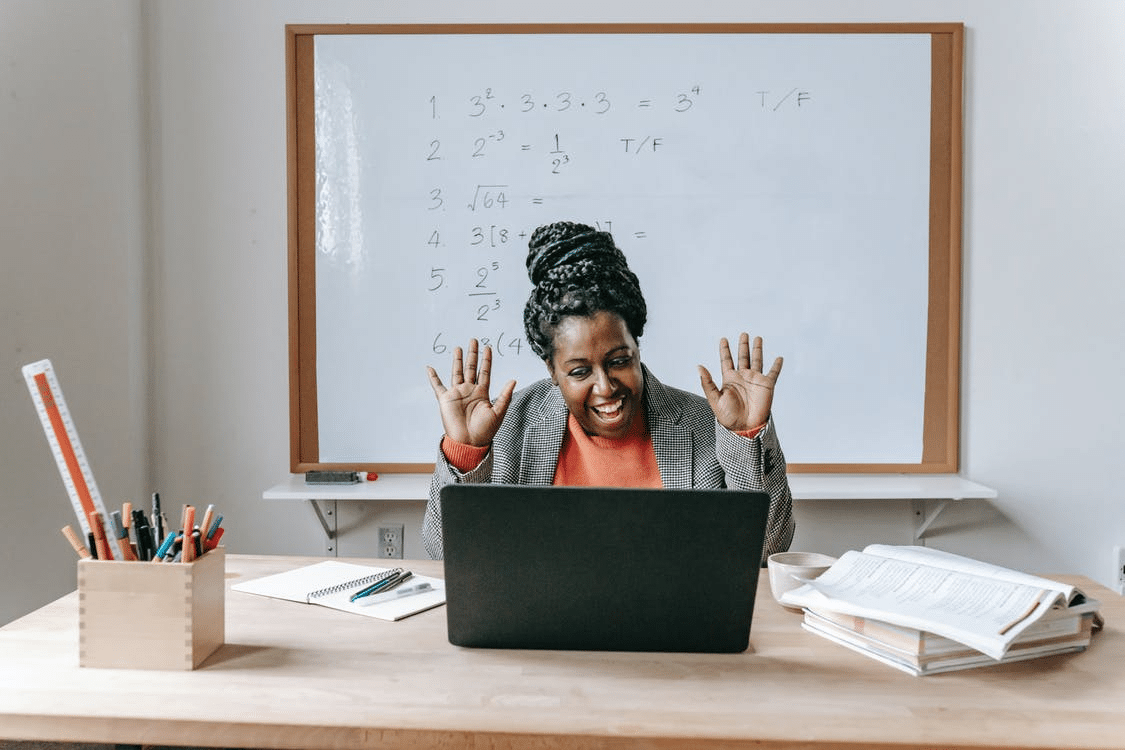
pixel 471 362
pixel 500 406
pixel 710 390
pixel 725 360
pixel 756 359
pixel 744 360
pixel 458 375
pixel 435 382
pixel 775 370
pixel 485 368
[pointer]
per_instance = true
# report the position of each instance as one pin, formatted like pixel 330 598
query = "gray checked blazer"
pixel 692 451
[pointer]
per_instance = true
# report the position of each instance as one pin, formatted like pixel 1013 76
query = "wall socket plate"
pixel 390 541
pixel 1119 578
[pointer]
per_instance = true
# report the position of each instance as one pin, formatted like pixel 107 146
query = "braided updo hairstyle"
pixel 577 270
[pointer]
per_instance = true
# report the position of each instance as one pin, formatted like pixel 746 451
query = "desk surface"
pixel 297 675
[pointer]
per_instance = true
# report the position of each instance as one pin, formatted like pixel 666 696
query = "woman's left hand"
pixel 746 397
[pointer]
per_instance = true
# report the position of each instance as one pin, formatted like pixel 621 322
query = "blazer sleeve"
pixel 758 464
pixel 445 473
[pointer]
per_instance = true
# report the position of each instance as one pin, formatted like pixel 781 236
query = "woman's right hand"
pixel 468 414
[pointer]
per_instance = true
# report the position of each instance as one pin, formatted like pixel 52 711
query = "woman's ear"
pixel 551 371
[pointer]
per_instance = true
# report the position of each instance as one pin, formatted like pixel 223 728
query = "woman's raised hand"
pixel 746 397
pixel 467 412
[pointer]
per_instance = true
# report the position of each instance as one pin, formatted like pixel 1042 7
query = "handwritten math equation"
pixel 475 241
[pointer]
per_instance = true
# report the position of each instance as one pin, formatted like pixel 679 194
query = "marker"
pixel 101 544
pixel 213 542
pixel 391 596
pixel 119 531
pixel 146 547
pixel 214 527
pixel 166 545
pixel 72 537
pixel 208 514
pixel 188 548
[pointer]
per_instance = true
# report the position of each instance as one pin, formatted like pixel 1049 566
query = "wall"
pixel 1044 99
pixel 72 238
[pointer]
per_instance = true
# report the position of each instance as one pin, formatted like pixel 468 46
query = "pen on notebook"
pixel 75 541
pixel 390 596
pixel 391 578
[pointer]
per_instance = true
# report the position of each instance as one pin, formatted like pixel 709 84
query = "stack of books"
pixel 924 611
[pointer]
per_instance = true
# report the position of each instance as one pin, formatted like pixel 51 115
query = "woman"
pixel 602 419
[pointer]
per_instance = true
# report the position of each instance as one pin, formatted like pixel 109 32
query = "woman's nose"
pixel 603 385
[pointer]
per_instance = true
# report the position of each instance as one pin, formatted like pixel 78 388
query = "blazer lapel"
pixel 543 439
pixel 672 442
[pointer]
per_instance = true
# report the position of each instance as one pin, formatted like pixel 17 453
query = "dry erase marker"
pixel 390 596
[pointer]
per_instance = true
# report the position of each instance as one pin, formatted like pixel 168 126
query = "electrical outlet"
pixel 1119 578
pixel 390 541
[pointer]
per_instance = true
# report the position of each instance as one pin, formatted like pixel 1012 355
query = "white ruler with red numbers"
pixel 63 437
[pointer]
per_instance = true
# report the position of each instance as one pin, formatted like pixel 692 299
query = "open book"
pixel 332 583
pixel 983 606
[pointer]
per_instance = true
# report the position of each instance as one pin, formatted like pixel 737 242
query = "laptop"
pixel 601 569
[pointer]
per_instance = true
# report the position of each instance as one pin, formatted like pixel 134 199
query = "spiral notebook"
pixel 331 583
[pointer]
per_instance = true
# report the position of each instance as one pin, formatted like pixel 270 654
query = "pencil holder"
pixel 146 615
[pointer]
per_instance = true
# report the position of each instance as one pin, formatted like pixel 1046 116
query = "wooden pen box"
pixel 146 615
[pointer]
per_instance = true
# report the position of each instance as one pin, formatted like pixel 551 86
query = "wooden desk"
pixel 302 676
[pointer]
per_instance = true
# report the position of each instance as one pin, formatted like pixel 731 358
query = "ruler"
pixel 63 437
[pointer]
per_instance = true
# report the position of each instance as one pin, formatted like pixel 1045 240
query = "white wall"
pixel 1042 353
pixel 72 284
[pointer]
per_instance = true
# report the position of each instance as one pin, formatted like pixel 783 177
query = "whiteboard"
pixel 773 183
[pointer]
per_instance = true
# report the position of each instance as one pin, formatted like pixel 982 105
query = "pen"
pixel 157 521
pixel 396 577
pixel 389 596
pixel 91 545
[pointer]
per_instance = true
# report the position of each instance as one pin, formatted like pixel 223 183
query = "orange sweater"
pixel 588 460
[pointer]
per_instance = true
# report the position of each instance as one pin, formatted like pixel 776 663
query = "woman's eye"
pixel 579 372
pixel 620 361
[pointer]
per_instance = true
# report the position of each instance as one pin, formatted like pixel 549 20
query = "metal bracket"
pixel 925 520
pixel 327 518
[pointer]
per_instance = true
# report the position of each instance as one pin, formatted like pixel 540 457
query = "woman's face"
pixel 597 366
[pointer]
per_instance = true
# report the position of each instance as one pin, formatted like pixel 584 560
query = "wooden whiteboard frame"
pixel 941 410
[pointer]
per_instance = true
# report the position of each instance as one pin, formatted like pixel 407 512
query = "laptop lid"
pixel 600 569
